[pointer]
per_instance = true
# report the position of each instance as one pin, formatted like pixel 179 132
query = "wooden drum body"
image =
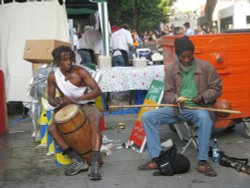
pixel 75 129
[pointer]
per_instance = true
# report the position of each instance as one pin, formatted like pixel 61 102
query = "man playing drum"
pixel 76 86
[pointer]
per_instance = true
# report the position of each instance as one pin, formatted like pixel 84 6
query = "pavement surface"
pixel 23 164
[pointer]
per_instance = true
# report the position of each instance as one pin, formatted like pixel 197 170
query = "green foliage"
pixel 150 13
pixel 119 11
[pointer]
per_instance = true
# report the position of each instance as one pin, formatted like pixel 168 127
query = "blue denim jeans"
pixel 152 120
pixel 86 58
pixel 118 61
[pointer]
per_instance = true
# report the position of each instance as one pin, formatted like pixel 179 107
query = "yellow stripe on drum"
pixel 42 120
pixel 45 104
pixel 46 116
pixel 49 116
pixel 98 102
pixel 61 159
pixel 51 145
pixel 44 134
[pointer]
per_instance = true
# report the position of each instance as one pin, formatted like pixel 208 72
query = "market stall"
pixel 130 78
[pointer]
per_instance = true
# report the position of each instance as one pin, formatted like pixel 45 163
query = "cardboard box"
pixel 39 51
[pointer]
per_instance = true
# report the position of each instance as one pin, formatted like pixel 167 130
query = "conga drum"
pixel 74 127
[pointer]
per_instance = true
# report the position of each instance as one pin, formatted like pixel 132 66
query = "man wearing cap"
pixel 191 82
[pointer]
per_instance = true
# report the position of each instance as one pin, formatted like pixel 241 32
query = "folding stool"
pixel 186 131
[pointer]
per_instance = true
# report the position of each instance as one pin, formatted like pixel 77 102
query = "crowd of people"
pixel 186 29
pixel 148 39
pixel 124 41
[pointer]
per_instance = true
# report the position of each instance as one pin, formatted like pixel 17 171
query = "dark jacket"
pixel 208 82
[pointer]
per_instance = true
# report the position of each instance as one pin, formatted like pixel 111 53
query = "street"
pixel 25 165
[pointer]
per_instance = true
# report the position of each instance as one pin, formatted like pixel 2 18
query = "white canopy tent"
pixel 18 23
pixel 34 20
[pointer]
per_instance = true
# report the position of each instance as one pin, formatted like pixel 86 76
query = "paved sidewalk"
pixel 24 165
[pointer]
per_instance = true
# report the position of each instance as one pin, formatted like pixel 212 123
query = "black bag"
pixel 170 163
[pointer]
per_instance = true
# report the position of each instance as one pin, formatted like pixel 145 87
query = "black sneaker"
pixel 94 172
pixel 76 167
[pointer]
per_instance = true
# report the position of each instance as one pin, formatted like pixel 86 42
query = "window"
pixel 248 21
pixel 226 23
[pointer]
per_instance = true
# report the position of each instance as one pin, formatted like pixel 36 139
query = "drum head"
pixel 66 113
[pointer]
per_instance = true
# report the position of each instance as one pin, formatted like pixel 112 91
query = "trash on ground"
pixel 42 146
pixel 106 149
pixel 240 141
pixel 128 144
pixel 119 126
pixel 106 140
pixel 167 143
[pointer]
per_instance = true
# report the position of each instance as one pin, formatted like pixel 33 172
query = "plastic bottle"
pixel 216 151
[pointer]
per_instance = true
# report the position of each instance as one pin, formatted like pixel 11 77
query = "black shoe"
pixel 94 172
pixel 74 156
pixel 76 167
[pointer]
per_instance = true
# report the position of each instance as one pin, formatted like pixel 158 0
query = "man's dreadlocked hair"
pixel 67 52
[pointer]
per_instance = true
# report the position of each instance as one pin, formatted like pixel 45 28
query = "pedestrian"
pixel 121 41
pixel 73 81
pixel 188 81
pixel 200 30
pixel 90 45
pixel 189 31
pixel 76 39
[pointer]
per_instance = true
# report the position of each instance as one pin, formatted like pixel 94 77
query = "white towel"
pixel 67 88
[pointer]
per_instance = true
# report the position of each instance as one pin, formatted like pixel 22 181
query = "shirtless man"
pixel 76 86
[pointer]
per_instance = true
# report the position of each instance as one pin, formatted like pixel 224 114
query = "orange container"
pixel 230 55
pixel 3 107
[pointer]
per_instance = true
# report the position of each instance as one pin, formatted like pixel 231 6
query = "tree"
pixel 139 14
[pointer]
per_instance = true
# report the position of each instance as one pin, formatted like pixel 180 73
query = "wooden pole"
pixel 174 105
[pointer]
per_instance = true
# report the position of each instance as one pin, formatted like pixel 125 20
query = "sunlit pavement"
pixel 25 165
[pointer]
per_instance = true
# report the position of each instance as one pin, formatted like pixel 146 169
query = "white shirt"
pixel 76 40
pixel 91 39
pixel 121 39
pixel 190 31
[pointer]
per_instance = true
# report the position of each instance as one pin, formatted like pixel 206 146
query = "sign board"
pixel 153 97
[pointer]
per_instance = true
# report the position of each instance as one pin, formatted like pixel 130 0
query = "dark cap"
pixel 183 44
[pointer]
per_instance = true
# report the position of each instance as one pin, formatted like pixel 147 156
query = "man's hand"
pixel 197 100
pixel 58 102
pixel 67 100
pixel 62 101
pixel 181 100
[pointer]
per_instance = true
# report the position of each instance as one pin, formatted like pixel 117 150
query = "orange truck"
pixel 230 55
